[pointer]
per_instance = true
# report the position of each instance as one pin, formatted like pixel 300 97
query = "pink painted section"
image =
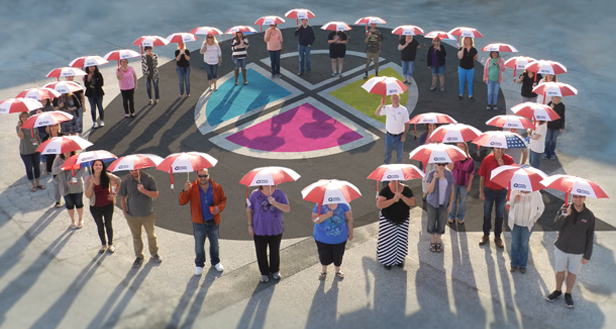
pixel 302 129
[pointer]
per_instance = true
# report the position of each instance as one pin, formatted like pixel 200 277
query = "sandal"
pixel 58 205
pixel 450 222
pixel 102 250
pixel 111 249
pixel 340 275
pixel 33 189
pixel 73 226
pixel 80 225
pixel 41 187
pixel 322 276
pixel 460 222
pixel 433 247
pixel 439 247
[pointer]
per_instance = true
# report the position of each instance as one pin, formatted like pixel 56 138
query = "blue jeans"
pixel 211 71
pixel 390 143
pixel 149 88
pixel 493 87
pixel 466 75
pixel 32 162
pixel 275 61
pixel 520 236
pixel 550 142
pixel 438 70
pixel 407 69
pixel 304 54
pixel 534 159
pixel 497 199
pixel 209 229
pixel 184 77
pixel 94 102
pixel 459 194
pixel 239 63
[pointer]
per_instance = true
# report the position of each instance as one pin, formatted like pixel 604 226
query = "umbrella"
pixel 432 117
pixel 336 26
pixel 384 86
pixel 14 105
pixel 150 41
pixel 64 144
pixel 269 20
pixel 118 55
pixel 575 186
pixel 545 67
pixel 268 176
pixel 47 119
pixel 535 111
pixel 437 153
pixel 518 62
pixel 84 159
pixel 299 13
pixel 465 32
pixel 181 37
pixel 205 30
pixel 64 87
pixel 516 177
pixel 186 162
pixel 330 191
pixel 454 133
pixel 500 139
pixel 370 20
pixel 440 34
pixel 86 61
pixel 550 89
pixel 135 161
pixel 241 28
pixel 407 30
pixel 398 172
pixel 39 94
pixel 500 47
pixel 510 121
pixel 65 72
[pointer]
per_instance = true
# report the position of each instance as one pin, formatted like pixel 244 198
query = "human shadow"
pixel 256 310
pixel 324 307
pixel 197 304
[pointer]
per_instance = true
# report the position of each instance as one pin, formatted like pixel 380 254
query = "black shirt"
pixel 408 53
pixel 183 62
pixel 468 59
pixel 527 84
pixel 337 47
pixel 398 212
pixel 560 110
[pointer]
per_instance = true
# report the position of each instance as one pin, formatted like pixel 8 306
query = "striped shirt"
pixel 211 54
pixel 239 52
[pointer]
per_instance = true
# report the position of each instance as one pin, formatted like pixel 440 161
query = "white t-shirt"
pixel 538 145
pixel 397 117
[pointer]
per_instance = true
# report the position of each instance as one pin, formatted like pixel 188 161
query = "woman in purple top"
pixel 436 62
pixel 264 212
pixel 463 172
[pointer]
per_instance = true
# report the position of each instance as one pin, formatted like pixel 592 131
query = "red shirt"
pixel 487 165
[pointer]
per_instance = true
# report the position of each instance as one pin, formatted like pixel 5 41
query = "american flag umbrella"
pixel 440 35
pixel 500 47
pixel 150 41
pixel 87 61
pixel 454 133
pixel 65 72
pixel 518 63
pixel 15 105
pixel 84 159
pixel 268 176
pixel 516 177
pixel 181 37
pixel 575 186
pixel 465 32
pixel 299 13
pixel 384 86
pixel 500 139
pixel 39 94
pixel 186 162
pixel 330 191
pixel 546 67
pixel 63 144
pixel 336 26
pixel 437 153
pixel 205 30
pixel 64 87
pixel 240 28
pixel 134 162
pixel 118 55
pixel 550 89
pixel 539 112
pixel 510 121
pixel 407 30
pixel 47 119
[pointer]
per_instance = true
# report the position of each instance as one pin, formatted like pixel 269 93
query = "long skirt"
pixel 392 244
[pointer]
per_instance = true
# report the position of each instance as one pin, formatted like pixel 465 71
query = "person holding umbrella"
pixel 525 209
pixel 305 34
pixel 463 172
pixel 265 224
pixel 439 202
pixel 71 187
pixel 408 49
pixel 149 68
pixel 333 226
pixel 94 91
pixel 28 142
pixel 395 201
pixel 493 76
pixel 537 143
pixel 273 38
pixel 467 54
pixel 101 189
pixel 396 123
pixel 70 104
pixel 182 58
pixel 337 50
pixel 436 62
pixel 546 78
pixel 555 128
pixel 212 57
pixel 127 79
pixel 239 46
pixel 374 41
pixel 53 131
pixel 528 81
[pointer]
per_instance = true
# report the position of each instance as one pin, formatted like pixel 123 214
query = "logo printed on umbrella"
pixel 262 181
pixel 51 150
pixel 552 93
pixel 541 117
pixel 180 168
pixel 44 122
pixel 333 198
pixel 496 143
pixel 392 91
pixel 511 125
pixel 439 159
pixel 583 191
pixel 392 176
pixel 519 185
pixel 84 159
pixel 120 167
pixel 451 138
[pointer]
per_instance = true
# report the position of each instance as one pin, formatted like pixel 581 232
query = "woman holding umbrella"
pixel 463 172
pixel 71 188
pixel 439 202
pixel 28 142
pixel 436 62
pixel 555 127
pixel 333 226
pixel 537 143
pixel 149 67
pixel 128 84
pixel 467 54
pixel 528 81
pixel 182 57
pixel 94 91
pixel 493 76
pixel 273 38
pixel 212 57
pixel 70 104
pixel 101 189
pixel 53 131
pixel 337 50
pixel 395 201
pixel 264 212
pixel 239 45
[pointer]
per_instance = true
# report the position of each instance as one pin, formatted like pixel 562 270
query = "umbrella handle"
pixel 171 178
pixel 246 196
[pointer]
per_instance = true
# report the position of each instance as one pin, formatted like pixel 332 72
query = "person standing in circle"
pixel 239 46
pixel 101 188
pixel 305 34
pixel 70 104
pixel 71 188
pixel 28 143
pixel 396 124
pixel 436 62
pixel 182 58
pixel 467 54
pixel 149 68
pixel 439 202
pixel 94 91
pixel 337 50
pixel 128 84
pixel 212 57
pixel 528 81
pixel 493 76
pixel 273 38
pixel 408 48
pixel 332 228
pixel 537 143
pixel 555 128
pixel 395 201
pixel 374 39
pixel 463 172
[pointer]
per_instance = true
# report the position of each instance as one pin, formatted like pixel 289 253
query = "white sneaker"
pixel 219 267
pixel 276 276
pixel 101 123
pixel 95 125
pixel 198 270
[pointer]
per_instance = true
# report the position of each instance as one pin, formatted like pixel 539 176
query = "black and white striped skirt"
pixel 392 244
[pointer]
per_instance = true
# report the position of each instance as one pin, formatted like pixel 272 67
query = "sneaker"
pixel 340 75
pixel 151 101
pixel 569 301
pixel 157 258
pixel 219 267
pixel 95 125
pixel 308 73
pixel 522 270
pixel 198 270
pixel 366 76
pixel 442 88
pixel 432 88
pixel 459 97
pixel 544 157
pixel 101 124
pixel 300 74
pixel 376 74
pixel 279 75
pixel 156 101
pixel 264 278
pixel 58 205
pixel 276 276
pixel 488 107
pixel 126 115
pixel 334 74
pixel 405 82
pixel 471 98
pixel 137 262
pixel 553 157
pixel 514 268
pixel 495 108
pixel 552 297
pixel 273 75
pixel 132 115
pixel 111 249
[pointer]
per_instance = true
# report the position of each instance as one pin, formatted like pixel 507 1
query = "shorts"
pixel 569 262
pixel 438 70
pixel 74 200
pixel 239 63
pixel 333 54
pixel 372 56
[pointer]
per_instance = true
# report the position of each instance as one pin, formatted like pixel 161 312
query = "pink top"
pixel 128 81
pixel 275 39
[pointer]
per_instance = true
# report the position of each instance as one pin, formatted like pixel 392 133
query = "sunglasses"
pixel 210 37
pixel 202 176
pixel 578 196
pixel 441 164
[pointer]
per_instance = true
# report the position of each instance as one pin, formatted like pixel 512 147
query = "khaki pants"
pixel 135 224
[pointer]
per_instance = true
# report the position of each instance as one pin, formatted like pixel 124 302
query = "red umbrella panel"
pixel 181 38
pixel 516 177
pixel 336 26
pixel 150 41
pixel 392 172
pixel 546 67
pixel 575 186
pixel 518 63
pixel 440 35
pixel 465 32
pixel 500 47
pixel 186 162
pixel 121 54
pixel 454 133
pixel 330 191
pixel 15 105
pixel 47 119
pixel 384 86
pixel 404 30
pixel 65 72
pixel 552 89
pixel 63 144
pixel 370 20
pixel 437 153
pixel 39 94
pixel 430 117
pixel 510 122
pixel 299 13
pixel 87 61
pixel 535 111
pixel 268 176
pixel 205 30
pixel 135 161
pixel 64 87
pixel 77 161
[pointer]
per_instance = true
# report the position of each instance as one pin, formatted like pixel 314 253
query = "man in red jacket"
pixel 207 200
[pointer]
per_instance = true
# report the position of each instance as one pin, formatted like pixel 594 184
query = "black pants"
pixel 261 243
pixel 128 96
pixel 102 216
pixel 49 161
pixel 330 253
pixel 32 162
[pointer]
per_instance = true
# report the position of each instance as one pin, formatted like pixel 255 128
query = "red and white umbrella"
pixel 500 47
pixel 240 28
pixel 575 186
pixel 535 111
pixel 518 63
pixel 268 176
pixel 299 13
pixel 121 54
pixel 398 171
pixel 84 158
pixel 63 144
pixel 269 20
pixel 39 94
pixel 440 35
pixel 336 26
pixel 465 32
pixel 150 41
pixel 47 119
pixel 66 72
pixel 454 133
pixel 181 37
pixel 432 117
pixel 205 30
pixel 384 86
pixel 370 20
pixel 516 177
pixel 407 30
pixel 330 191
pixel 135 161
pixel 546 67
pixel 437 153
pixel 500 139
pixel 510 121
pixel 186 162
pixel 15 105
pixel 64 87
pixel 86 61
pixel 551 89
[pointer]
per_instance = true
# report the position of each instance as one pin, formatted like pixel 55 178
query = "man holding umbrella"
pixel 374 39
pixel 396 124
pixel 305 35
pixel 207 200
